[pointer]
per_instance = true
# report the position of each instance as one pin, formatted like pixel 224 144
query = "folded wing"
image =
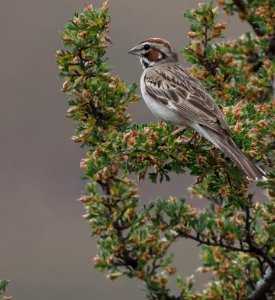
pixel 183 93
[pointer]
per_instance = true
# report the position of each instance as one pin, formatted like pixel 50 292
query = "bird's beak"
pixel 134 51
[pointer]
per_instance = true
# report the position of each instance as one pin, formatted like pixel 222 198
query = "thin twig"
pixel 220 243
pixel 242 6
pixel 205 36
pixel 248 228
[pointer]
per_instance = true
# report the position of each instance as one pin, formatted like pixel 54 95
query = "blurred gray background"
pixel 45 247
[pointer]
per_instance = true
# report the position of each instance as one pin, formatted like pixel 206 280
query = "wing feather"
pixel 177 88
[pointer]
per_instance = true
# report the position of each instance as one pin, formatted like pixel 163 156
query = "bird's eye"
pixel 146 47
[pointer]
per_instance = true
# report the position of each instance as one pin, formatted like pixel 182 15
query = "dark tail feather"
pixel 226 144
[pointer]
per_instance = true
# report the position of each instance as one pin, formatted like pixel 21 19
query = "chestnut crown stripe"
pixel 157 41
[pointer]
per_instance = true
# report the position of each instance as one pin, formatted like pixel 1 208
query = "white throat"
pixel 146 63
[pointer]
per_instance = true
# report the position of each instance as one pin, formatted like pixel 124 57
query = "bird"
pixel 174 95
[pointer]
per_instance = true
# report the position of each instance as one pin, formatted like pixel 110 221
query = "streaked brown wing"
pixel 177 88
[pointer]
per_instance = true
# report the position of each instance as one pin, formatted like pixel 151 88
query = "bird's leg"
pixel 182 139
pixel 182 128
pixel 179 129
pixel 188 140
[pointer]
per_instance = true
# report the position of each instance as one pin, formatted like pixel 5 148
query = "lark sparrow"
pixel 174 95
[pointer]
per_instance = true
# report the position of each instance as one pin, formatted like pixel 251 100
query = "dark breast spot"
pixel 145 64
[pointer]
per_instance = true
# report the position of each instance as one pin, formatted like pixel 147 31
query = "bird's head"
pixel 154 51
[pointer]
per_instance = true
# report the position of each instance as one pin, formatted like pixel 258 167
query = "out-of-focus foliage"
pixel 236 233
pixel 3 286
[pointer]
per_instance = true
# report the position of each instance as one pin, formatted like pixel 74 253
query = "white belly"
pixel 159 110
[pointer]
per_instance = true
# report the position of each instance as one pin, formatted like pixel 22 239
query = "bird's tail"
pixel 226 145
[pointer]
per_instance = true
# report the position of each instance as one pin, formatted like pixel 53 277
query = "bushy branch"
pixel 236 233
pixel 3 286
